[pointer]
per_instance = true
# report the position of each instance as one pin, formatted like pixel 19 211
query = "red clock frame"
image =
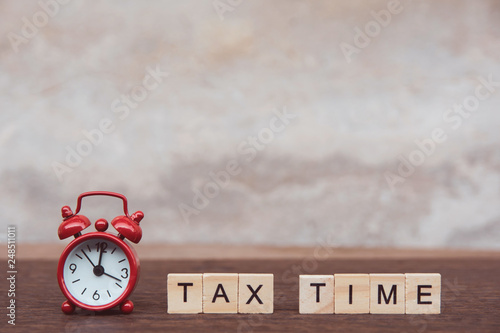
pixel 131 256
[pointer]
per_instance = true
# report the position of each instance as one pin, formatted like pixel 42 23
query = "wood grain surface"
pixel 470 299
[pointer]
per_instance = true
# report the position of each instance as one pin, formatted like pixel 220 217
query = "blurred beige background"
pixel 322 175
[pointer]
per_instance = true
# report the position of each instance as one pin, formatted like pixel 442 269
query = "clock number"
pixel 72 267
pixel 103 246
pixel 96 296
pixel 126 273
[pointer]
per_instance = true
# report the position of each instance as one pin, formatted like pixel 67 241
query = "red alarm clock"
pixel 98 271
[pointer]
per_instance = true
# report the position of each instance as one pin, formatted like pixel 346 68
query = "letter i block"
pixel 184 293
pixel 352 293
pixel 255 293
pixel 387 293
pixel 423 293
pixel 316 294
pixel 220 293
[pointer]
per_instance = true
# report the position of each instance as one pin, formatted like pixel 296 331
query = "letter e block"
pixel 352 293
pixel 387 293
pixel 220 293
pixel 316 294
pixel 255 293
pixel 423 293
pixel 184 293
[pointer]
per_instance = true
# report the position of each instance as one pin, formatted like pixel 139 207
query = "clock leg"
pixel 127 307
pixel 67 307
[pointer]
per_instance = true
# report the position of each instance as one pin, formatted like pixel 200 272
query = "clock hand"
pixel 86 256
pixel 100 255
pixel 112 277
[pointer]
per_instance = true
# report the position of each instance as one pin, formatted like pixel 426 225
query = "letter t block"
pixel 316 294
pixel 184 293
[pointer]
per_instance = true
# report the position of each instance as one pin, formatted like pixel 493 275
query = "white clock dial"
pixel 96 272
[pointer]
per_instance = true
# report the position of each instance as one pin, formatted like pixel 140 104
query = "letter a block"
pixel 352 293
pixel 387 293
pixel 220 293
pixel 423 293
pixel 316 294
pixel 256 293
pixel 184 293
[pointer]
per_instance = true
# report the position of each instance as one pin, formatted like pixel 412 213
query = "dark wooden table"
pixel 470 298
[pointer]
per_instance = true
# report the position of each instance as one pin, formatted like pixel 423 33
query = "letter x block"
pixel 423 293
pixel 184 293
pixel 220 293
pixel 316 294
pixel 256 293
pixel 387 293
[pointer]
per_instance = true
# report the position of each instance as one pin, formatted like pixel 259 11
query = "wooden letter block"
pixel 387 293
pixel 220 293
pixel 423 293
pixel 316 294
pixel 255 293
pixel 184 293
pixel 352 293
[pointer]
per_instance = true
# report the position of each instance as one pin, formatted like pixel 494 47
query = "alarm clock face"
pixel 97 272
